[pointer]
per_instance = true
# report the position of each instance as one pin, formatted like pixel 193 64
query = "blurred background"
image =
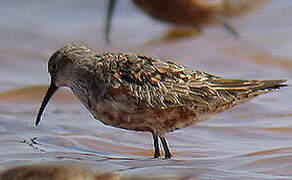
pixel 251 141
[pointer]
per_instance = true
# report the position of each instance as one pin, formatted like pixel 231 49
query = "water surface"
pixel 250 141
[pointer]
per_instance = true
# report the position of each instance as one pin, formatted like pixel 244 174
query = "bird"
pixel 189 16
pixel 142 93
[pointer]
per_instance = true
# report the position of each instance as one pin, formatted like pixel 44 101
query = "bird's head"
pixel 61 65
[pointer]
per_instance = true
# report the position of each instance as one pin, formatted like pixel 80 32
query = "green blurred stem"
pixel 110 11
pixel 230 29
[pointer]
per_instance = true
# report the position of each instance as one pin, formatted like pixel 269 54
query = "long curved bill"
pixel 110 11
pixel 52 89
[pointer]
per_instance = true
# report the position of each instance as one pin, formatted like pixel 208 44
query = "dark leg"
pixel 109 14
pixel 165 147
pixel 156 146
pixel 230 29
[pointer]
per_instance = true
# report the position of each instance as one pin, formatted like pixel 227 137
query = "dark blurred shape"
pixel 66 172
pixel 193 13
pixel 47 172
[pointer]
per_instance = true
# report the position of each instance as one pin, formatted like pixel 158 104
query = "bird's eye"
pixel 53 62
pixel 52 68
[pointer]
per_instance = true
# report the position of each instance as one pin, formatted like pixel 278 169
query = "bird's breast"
pixel 128 116
pixel 120 110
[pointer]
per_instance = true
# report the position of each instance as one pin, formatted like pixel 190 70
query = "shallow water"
pixel 251 141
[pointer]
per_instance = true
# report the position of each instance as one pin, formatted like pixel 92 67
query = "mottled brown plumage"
pixel 142 93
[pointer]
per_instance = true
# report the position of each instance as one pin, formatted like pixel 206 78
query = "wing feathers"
pixel 167 84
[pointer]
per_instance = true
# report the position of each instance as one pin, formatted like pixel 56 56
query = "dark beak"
pixel 52 89
pixel 109 14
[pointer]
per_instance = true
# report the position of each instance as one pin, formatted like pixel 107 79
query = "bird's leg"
pixel 109 15
pixel 165 147
pixel 156 146
pixel 230 29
